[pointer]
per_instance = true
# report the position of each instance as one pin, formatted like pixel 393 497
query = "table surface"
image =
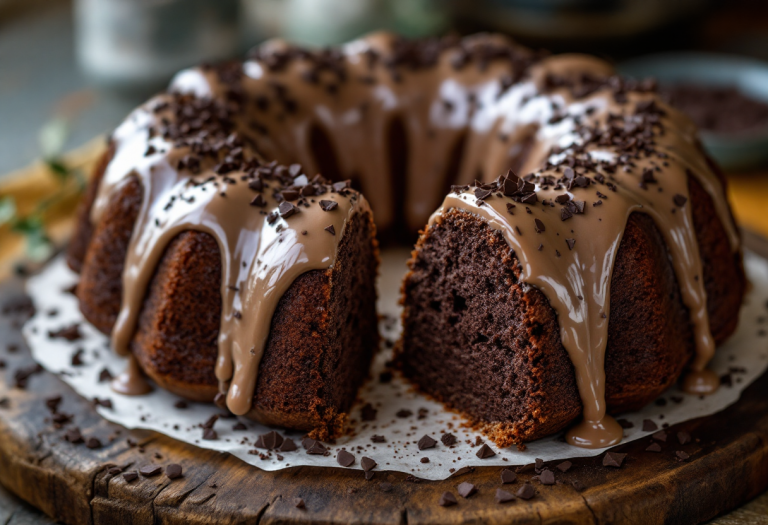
pixel 36 46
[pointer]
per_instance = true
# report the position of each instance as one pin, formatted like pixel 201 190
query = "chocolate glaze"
pixel 131 381
pixel 491 103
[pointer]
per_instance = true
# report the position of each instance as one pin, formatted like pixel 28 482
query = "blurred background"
pixel 71 70
pixel 83 64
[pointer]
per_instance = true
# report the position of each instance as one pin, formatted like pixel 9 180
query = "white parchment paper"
pixel 744 356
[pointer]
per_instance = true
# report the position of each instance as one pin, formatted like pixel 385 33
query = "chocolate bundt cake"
pixel 228 270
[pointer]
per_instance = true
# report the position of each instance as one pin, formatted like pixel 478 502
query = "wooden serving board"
pixel 728 465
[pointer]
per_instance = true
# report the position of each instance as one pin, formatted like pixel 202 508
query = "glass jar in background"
pixel 140 44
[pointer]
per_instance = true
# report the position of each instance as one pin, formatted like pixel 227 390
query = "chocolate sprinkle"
pixel 508 476
pixel 448 439
pixel 367 463
pixel 345 459
pixel 150 470
pixel 447 500
pixel 502 496
pixel 526 491
pixel 426 442
pixel 466 489
pixel 173 471
pixel 547 477
pixel 485 452
pixel 130 476
pixel 328 205
pixel 613 459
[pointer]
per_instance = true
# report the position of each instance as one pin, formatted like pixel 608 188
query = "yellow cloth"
pixel 748 194
pixel 29 186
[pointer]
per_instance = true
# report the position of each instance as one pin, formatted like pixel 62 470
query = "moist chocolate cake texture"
pixel 221 262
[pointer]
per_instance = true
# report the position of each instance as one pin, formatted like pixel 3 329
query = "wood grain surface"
pixel 728 465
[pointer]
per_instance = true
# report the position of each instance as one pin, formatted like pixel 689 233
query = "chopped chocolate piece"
pixel 369 475
pixel 367 463
pixel 299 503
pixel 623 423
pixel 150 470
pixel 565 466
pixel 105 375
pixel 448 439
pixel 259 201
pixel 653 447
pixel 77 357
pixel 485 452
pixel 307 443
pixel 239 426
pixel 330 229
pixel 173 471
pixel 328 205
pixel 345 459
pixel 683 437
pixel 539 226
pixel 649 426
pixel 287 209
pixel 70 333
pixel 288 445
pixel 526 491
pixel 114 471
pixel 386 486
pixel 424 460
pixel 53 403
pixel 130 475
pixel 447 500
pixel 270 440
pixel 210 434
pixel 660 436
pixel 502 496
pixel 378 439
pixel 570 243
pixel 547 477
pixel 74 436
pixel 508 476
pixel 466 489
pixel 211 421
pixel 482 194
pixel 106 402
pixel 93 443
pixel 404 413
pixel 680 200
pixel 290 195
pixel 340 186
pixel 317 449
pixel 181 404
pixel 613 459
pixel 538 465
pixel 681 456
pixel 426 442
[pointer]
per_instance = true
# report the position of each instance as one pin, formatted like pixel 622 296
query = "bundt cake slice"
pixel 584 288
pixel 226 277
